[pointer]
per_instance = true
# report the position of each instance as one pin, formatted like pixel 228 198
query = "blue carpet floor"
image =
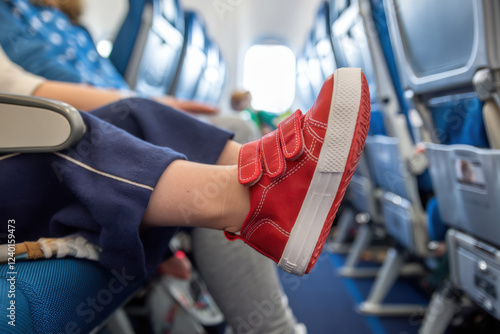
pixel 326 303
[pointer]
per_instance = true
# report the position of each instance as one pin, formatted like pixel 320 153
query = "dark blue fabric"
pixel 458 119
pixel 424 183
pixel 164 126
pixel 43 41
pixel 437 229
pixel 380 21
pixel 64 295
pixel 49 196
pixel 377 125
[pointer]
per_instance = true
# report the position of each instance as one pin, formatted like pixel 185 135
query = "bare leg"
pixel 229 155
pixel 198 195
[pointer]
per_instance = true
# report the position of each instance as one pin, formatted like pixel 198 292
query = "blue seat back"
pixel 468 190
pixel 162 51
pixel 351 49
pixel 437 58
pixel 382 29
pixel 194 58
pixel 214 98
pixel 357 45
pixel 439 46
pixel 209 86
pixel 124 42
pixel 351 46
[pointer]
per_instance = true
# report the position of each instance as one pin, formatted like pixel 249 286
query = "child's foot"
pixel 298 174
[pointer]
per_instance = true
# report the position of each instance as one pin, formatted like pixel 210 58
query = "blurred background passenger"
pixel 45 38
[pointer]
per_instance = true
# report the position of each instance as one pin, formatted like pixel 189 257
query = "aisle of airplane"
pixel 429 170
pixel 416 245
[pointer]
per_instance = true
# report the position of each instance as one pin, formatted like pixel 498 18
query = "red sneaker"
pixel 298 174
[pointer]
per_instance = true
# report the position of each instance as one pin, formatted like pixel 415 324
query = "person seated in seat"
pixel 44 38
pixel 215 256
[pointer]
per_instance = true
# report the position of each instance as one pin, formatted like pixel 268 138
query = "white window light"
pixel 104 48
pixel 269 74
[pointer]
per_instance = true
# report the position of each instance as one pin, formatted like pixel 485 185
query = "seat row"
pixel 161 49
pixel 430 166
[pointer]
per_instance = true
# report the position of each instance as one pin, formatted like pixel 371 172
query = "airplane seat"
pixel 377 123
pixel 380 25
pixel 23 322
pixel 348 42
pixel 395 172
pixel 193 58
pixel 424 183
pixel 53 295
pixel 446 66
pixel 214 97
pixel 125 42
pixel 64 296
pixel 160 54
pixel 467 193
pixel 458 119
pixel 207 86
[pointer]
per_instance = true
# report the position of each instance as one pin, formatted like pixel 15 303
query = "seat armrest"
pixel 34 124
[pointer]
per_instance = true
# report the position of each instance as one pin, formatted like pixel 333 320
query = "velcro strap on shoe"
pixel 272 156
pixel 249 165
pixel 291 136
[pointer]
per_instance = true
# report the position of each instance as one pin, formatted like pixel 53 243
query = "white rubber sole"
pixel 328 173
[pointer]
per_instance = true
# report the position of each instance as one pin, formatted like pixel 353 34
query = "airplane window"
pixel 269 74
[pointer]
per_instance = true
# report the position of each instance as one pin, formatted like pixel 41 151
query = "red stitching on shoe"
pixel 266 221
pixel 248 164
pixel 311 131
pixel 269 187
pixel 311 155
